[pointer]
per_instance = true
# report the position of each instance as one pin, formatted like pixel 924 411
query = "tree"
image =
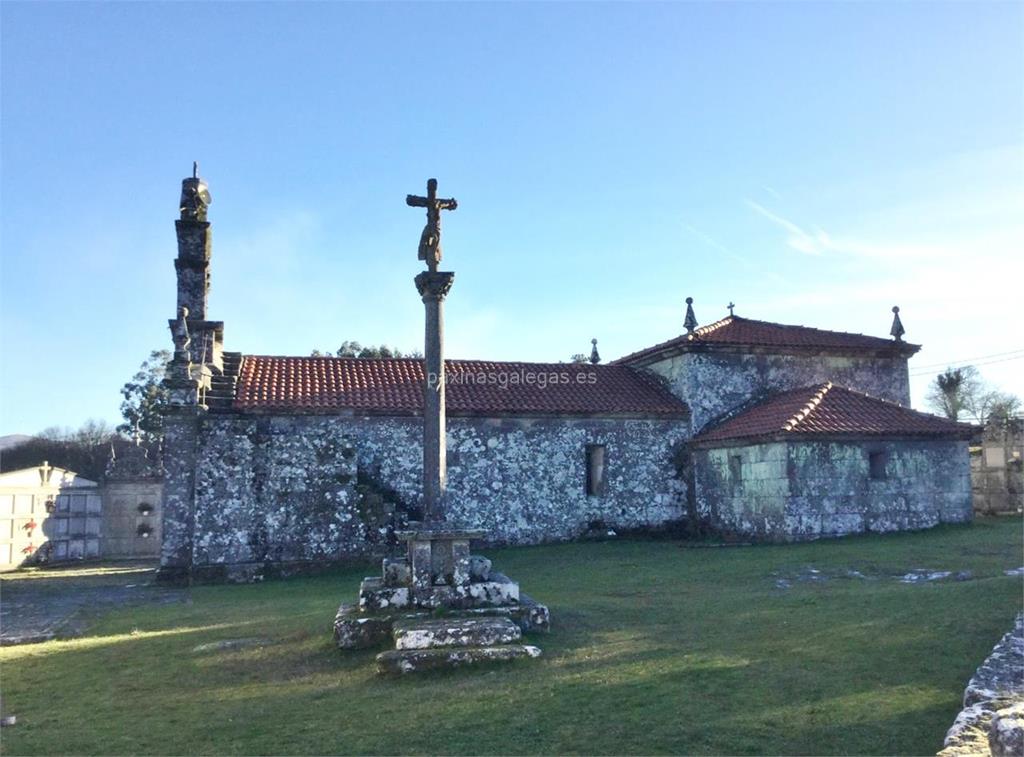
pixel 961 393
pixel 84 450
pixel 948 394
pixel 992 407
pixel 145 396
pixel 355 349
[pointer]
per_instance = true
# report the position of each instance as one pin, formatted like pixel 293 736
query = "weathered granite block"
pixel 455 632
pixel 1006 734
pixel 397 572
pixel 459 564
pixel 479 568
pixel 500 590
pixel 354 630
pixel 373 595
pixel 997 684
pixel 420 560
pixel 403 661
pixel 531 617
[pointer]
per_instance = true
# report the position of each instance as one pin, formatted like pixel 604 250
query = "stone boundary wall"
pixel 992 720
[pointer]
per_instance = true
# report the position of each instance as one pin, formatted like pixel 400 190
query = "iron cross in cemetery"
pixel 430 240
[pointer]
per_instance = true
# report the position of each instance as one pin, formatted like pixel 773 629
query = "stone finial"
pixel 195 197
pixel 897 331
pixel 595 356
pixel 691 320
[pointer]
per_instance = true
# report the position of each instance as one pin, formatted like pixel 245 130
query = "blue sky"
pixel 815 163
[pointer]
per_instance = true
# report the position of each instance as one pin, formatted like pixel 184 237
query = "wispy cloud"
pixel 798 238
pixel 714 244
pixel 819 242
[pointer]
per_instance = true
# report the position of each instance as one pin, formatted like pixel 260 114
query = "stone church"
pixel 742 426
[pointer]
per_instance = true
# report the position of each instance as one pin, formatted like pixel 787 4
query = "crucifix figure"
pixel 430 239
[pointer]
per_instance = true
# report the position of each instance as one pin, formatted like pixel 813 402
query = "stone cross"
pixel 45 471
pixel 430 239
pixel 433 286
pixel 731 305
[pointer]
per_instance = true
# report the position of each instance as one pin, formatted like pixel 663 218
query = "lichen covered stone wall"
pixel 283 489
pixel 716 383
pixel 806 490
pixel 178 513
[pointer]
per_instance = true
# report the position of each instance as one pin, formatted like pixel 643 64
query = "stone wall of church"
pixel 277 490
pixel 715 383
pixel 807 490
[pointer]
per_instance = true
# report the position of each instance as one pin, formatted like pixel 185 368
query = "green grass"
pixel 656 648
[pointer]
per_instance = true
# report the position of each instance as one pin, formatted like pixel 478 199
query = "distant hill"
pixel 13 440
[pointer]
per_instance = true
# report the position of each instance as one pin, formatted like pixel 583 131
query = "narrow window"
pixel 735 472
pixel 876 464
pixel 595 469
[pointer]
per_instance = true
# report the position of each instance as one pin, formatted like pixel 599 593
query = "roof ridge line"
pixel 712 327
pixel 808 408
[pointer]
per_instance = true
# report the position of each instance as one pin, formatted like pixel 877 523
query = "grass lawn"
pixel 655 648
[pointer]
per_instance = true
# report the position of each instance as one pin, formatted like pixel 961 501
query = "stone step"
pixel 454 632
pixel 359 629
pixel 403 661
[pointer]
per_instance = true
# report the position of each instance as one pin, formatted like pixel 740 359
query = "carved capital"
pixel 434 285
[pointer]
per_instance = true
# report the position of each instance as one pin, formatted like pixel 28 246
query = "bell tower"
pixel 206 343
pixel 194 246
pixel 192 375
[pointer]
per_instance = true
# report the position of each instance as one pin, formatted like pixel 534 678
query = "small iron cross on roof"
pixel 430 239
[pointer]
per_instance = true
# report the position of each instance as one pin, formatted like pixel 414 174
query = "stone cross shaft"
pixel 433 286
pixel 430 239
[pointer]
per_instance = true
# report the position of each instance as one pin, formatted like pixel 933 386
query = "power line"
pixel 968 360
pixel 987 362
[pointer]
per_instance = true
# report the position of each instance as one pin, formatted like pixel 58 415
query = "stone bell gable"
pixel 720 367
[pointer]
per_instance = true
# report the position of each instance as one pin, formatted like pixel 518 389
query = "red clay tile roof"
pixel 830 410
pixel 394 386
pixel 737 331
